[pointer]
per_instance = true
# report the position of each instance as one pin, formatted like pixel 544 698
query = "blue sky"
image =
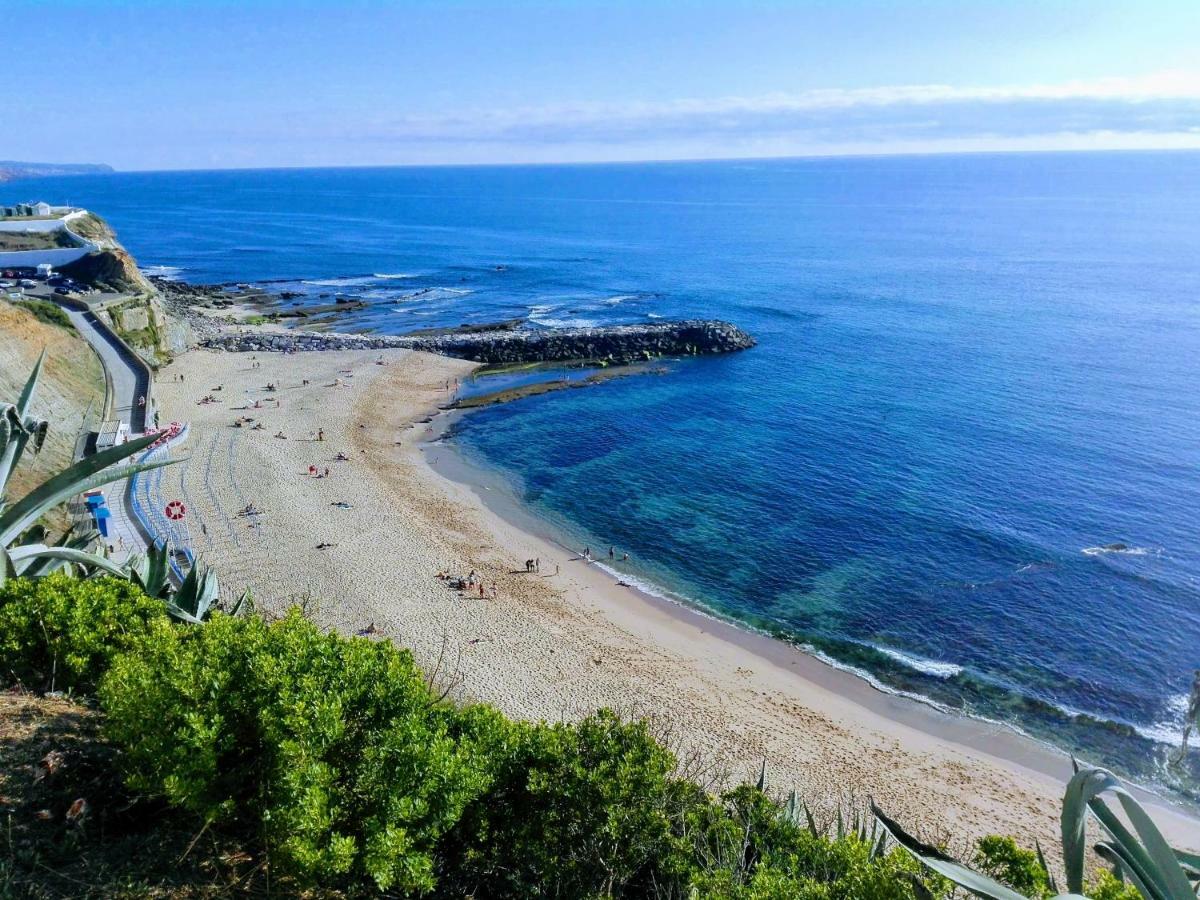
pixel 154 85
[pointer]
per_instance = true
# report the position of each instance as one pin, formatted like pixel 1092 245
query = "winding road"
pixel 129 381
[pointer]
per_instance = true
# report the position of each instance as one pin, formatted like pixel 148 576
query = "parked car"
pixel 62 291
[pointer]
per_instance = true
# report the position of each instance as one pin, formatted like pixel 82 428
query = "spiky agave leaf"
pixel 1146 859
pixel 87 473
pixel 244 602
pixel 948 867
pixel 194 600
pixel 18 427
pixel 22 557
pixel 151 571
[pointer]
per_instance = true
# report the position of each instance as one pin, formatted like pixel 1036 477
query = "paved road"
pixel 128 380
pixel 128 384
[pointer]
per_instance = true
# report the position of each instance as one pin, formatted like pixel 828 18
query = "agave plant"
pixel 195 598
pixel 23 548
pixel 1140 856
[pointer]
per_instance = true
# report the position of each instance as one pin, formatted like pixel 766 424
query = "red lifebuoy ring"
pixel 176 509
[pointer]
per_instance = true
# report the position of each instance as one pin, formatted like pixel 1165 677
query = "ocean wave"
pixel 1123 549
pixel 1169 728
pixel 881 686
pixel 618 299
pixel 926 666
pixel 645 587
pixel 654 316
pixel 539 315
pixel 388 276
pixel 169 273
pixel 350 281
pixel 548 322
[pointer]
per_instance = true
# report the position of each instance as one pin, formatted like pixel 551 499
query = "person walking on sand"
pixel 480 587
pixel 537 564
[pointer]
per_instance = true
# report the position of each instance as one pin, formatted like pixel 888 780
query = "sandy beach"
pixel 362 547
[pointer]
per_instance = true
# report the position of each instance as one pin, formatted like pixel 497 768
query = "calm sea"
pixel 964 459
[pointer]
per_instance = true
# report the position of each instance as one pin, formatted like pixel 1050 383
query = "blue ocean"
pixel 964 459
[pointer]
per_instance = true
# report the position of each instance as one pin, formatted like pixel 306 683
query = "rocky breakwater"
pixel 611 344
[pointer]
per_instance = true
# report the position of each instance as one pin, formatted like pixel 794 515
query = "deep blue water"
pixel 971 370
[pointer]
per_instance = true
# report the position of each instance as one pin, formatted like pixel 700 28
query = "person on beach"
pixel 537 564
pixel 624 557
pixel 587 553
pixel 493 590
pixel 312 470
pixel 556 568
pixel 1193 718
pixel 327 471
pixel 612 553
pixel 320 434
pixel 481 587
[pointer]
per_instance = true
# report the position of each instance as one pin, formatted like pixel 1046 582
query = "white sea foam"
pixel 387 276
pixel 653 316
pixel 645 587
pixel 617 300
pixel 927 666
pixel 1169 728
pixel 564 323
pixel 339 282
pixel 170 273
pixel 539 315
pixel 1123 550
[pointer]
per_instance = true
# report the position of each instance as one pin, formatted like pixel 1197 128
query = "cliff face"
pixel 142 320
pixel 112 269
pixel 70 393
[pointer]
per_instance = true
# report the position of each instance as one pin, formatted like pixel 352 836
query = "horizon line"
pixel 1058 151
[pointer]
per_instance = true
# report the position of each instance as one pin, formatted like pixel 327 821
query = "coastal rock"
pixel 615 343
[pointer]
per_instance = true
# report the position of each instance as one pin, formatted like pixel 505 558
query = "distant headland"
pixel 11 171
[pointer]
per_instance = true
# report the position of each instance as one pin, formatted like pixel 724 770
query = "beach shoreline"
pixel 1000 740
pixel 723 696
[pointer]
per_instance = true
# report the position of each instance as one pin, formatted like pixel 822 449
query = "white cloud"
pixel 1113 104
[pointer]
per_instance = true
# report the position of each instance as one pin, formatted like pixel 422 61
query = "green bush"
pixel 748 850
pixel 572 811
pixel 61 633
pixel 331 749
pixel 45 311
pixel 1019 869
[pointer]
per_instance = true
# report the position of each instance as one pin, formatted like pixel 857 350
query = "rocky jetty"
pixel 615 343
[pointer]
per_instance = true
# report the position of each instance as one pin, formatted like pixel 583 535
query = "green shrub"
pixel 330 749
pixel 1019 869
pixel 572 811
pixel 50 313
pixel 61 633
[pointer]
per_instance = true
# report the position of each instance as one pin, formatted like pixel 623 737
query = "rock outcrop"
pixel 112 268
pixel 615 343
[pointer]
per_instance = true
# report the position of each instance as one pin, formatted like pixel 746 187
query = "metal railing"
pixel 145 502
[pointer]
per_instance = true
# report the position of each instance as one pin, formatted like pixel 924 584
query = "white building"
pixel 42 209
